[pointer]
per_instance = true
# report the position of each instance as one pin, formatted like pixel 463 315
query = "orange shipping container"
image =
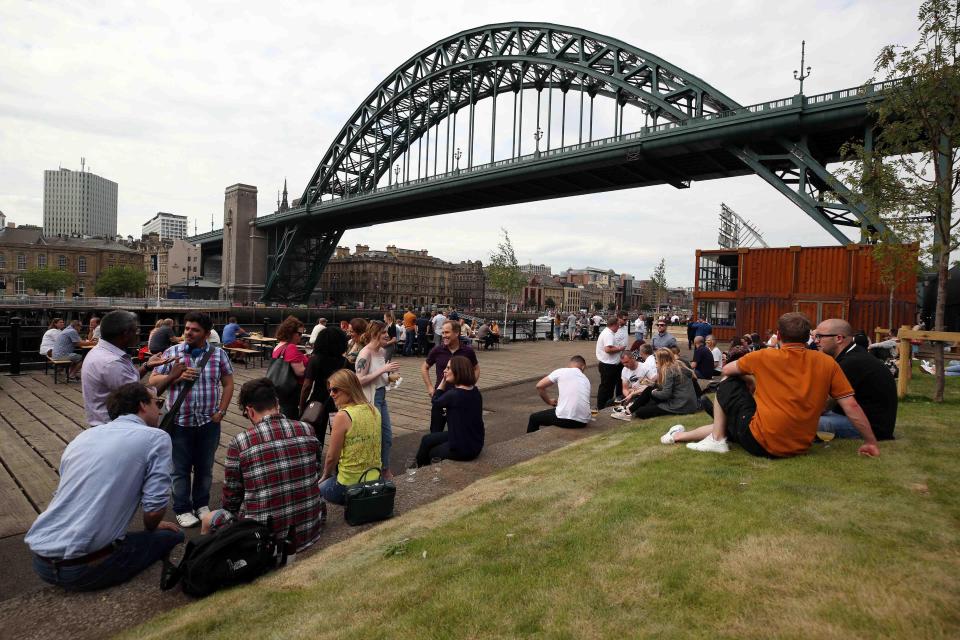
pixel 746 290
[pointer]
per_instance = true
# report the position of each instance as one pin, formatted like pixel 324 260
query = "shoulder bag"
pixel 281 375
pixel 167 424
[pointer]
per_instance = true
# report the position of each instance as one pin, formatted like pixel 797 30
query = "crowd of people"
pixel 771 398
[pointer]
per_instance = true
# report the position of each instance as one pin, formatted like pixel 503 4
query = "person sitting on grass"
pixel 673 393
pixel 791 384
pixel 80 542
pixel 354 440
pixel 571 409
pixel 271 471
pixel 463 439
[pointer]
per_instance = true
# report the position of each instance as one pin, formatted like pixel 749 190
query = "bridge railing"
pixel 26 301
pixel 858 92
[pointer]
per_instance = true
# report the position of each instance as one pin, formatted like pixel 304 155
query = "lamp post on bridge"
pixel 538 135
pixel 396 172
pixel 802 75
pixel 457 156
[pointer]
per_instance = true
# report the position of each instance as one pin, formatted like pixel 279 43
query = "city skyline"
pixel 152 104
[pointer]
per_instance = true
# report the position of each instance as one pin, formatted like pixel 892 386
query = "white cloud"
pixel 177 101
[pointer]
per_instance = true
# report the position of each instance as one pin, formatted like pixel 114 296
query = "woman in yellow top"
pixel 354 441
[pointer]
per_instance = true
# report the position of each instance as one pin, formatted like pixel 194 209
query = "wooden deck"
pixel 38 419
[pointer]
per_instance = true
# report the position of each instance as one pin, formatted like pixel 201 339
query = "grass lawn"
pixel 618 536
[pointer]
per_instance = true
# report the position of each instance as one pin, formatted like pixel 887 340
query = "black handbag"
pixel 369 501
pixel 281 375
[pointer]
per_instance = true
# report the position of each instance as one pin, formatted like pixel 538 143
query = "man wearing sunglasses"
pixel 873 384
pixel 80 542
pixel 662 339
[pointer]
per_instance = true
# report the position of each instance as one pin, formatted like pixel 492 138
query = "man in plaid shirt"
pixel 196 435
pixel 271 470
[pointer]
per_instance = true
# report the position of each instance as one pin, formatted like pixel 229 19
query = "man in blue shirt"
pixel 65 347
pixel 80 541
pixel 232 334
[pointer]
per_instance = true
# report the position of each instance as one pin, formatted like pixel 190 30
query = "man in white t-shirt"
pixel 597 323
pixel 438 321
pixel 717 354
pixel 571 409
pixel 321 325
pixel 609 348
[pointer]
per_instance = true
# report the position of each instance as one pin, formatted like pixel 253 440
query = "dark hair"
pixel 454 326
pixel 579 361
pixel 127 399
pixel 259 394
pixel 861 339
pixel 117 324
pixel 794 327
pixel 755 338
pixel 736 353
pixel 54 322
pixel 231 319
pixel 359 326
pixel 462 371
pixel 287 328
pixel 332 341
pixel 201 319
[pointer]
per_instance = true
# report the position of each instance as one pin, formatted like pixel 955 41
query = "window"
pixel 718 272
pixel 81 287
pixel 3 261
pixel 21 286
pixel 62 263
pixel 82 264
pixel 21 262
pixel 41 261
pixel 719 313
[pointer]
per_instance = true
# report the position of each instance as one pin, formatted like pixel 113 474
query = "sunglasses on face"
pixel 821 336
pixel 334 390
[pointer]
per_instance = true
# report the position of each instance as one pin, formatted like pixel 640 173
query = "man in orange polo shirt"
pixel 792 384
pixel 410 327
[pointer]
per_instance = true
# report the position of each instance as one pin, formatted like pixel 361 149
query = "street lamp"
pixel 801 76
pixel 457 156
pixel 396 172
pixel 537 135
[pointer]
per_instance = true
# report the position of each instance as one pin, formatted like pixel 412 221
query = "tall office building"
pixel 169 226
pixel 78 203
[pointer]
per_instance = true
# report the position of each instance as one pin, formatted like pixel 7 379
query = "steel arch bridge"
pixel 388 163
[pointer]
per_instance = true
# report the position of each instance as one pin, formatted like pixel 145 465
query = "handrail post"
pixel 266 327
pixel 15 350
pixel 514 329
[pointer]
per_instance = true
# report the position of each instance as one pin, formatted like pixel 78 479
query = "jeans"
pixel 193 451
pixel 134 553
pixel 408 343
pixel 609 377
pixel 333 491
pixel 386 432
pixel 436 445
pixel 548 418
pixel 837 424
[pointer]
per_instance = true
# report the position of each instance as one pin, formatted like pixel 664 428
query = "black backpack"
pixel 239 552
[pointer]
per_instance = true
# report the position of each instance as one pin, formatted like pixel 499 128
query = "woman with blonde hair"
pixel 373 371
pixel 354 439
pixel 674 392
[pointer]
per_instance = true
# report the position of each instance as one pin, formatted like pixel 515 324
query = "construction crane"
pixel 736 231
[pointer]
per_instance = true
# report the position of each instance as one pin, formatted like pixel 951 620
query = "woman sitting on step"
pixel 674 392
pixel 463 439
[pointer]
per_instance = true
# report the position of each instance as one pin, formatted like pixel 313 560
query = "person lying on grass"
pixel 781 419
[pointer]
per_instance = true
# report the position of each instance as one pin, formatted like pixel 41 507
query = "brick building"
pixel 391 277
pixel 177 261
pixel 469 285
pixel 26 247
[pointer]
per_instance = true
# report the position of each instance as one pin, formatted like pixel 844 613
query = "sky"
pixel 176 101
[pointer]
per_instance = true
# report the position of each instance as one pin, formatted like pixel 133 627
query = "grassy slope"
pixel 619 536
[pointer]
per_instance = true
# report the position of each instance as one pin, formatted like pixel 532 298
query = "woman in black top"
pixel 457 394
pixel 327 357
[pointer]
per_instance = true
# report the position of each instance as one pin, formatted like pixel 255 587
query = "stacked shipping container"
pixel 745 290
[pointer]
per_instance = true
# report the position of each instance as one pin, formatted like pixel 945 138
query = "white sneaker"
pixel 625 416
pixel 667 438
pixel 202 511
pixel 710 445
pixel 187 520
pixel 929 367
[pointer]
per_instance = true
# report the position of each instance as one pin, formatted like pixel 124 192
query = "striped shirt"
pixel 271 470
pixel 204 397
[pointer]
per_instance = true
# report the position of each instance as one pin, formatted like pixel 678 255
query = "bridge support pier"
pixel 243 270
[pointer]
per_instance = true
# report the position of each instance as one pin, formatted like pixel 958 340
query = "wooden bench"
pixel 57 365
pixel 246 354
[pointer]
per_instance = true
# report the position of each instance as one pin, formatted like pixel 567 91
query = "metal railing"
pixel 26 301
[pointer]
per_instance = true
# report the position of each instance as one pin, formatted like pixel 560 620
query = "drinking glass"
pixel 435 464
pixel 411 466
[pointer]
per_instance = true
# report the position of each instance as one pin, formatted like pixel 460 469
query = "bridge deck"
pixel 38 419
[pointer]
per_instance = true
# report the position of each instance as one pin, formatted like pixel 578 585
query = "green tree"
pixel 909 175
pixel 549 303
pixel 48 280
pixel 597 306
pixel 659 280
pixel 121 281
pixel 504 272
pixel 611 306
